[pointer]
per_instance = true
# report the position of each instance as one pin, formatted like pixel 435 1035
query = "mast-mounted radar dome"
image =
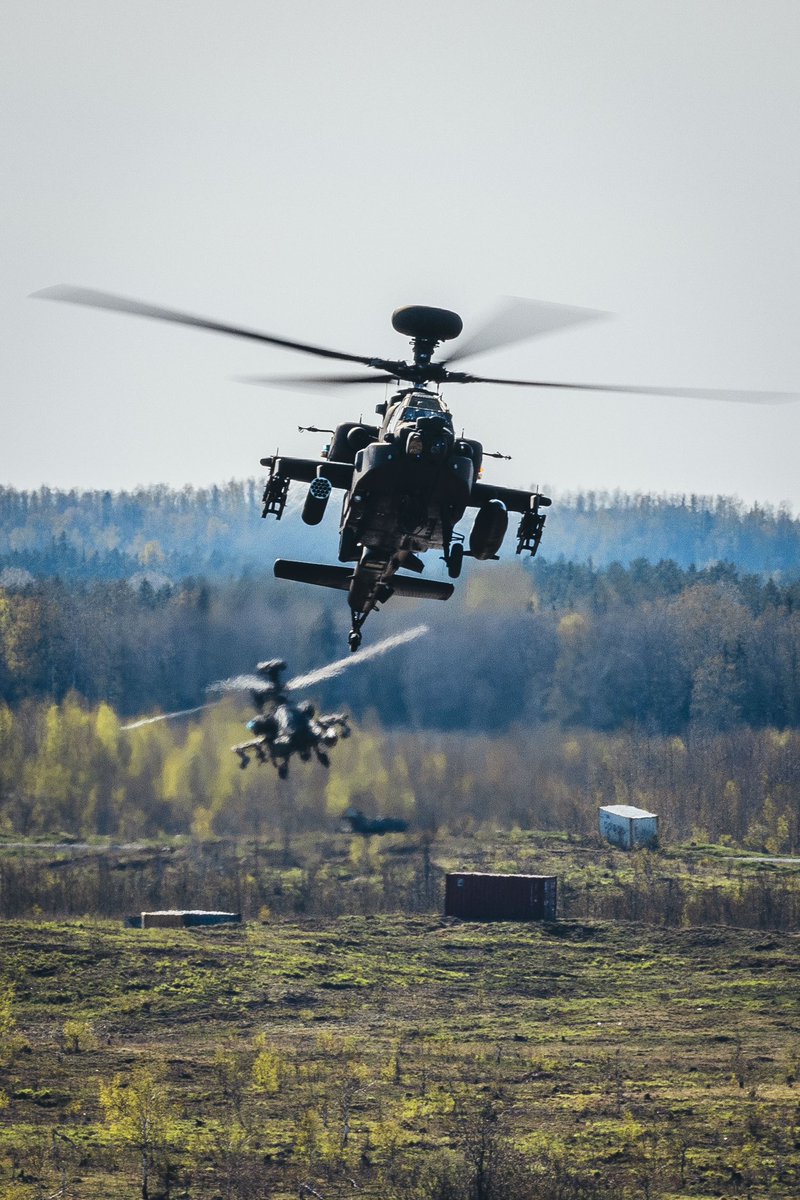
pixel 428 324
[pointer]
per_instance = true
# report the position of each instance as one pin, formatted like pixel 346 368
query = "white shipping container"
pixel 625 826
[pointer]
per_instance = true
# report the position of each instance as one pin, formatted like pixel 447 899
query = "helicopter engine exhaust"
pixel 489 529
pixel 316 500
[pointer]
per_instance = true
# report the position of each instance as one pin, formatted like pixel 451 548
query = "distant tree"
pixel 139 1117
pixel 268 1067
pixel 10 1040
pixel 79 1036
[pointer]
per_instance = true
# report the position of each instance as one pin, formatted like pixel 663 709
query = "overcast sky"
pixel 306 167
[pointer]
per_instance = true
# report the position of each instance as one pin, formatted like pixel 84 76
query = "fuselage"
pixel 412 485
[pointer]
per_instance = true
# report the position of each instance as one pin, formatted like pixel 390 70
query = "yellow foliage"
pixel 21 622
pixel 337 792
pixel 434 766
pixel 6 725
pixel 572 750
pixel 268 1068
pixel 106 727
pixel 572 626
pixel 436 1102
pixel 79 1036
pixel 313 1142
pixel 138 1109
pixel 8 1022
pixel 183 769
pixel 387 1137
pixel 202 823
pixel 780 738
pixel 172 775
pixel 151 553
pixel 507 586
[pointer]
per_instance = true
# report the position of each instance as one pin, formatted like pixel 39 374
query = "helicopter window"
pixel 413 414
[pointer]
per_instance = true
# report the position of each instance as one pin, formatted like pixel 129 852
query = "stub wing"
pixel 319 473
pixel 341 578
pixel 514 499
pixel 256 746
pixel 305 470
pixel 334 721
pixel 253 744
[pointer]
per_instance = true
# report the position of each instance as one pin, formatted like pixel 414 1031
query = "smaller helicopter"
pixel 282 728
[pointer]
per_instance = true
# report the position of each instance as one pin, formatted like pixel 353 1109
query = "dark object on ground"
pixel 478 897
pixel 184 918
pixel 366 826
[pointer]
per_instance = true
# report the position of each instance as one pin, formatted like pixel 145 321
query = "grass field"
pixel 395 1055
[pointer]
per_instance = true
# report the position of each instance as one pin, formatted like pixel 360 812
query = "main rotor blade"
pixel 634 390
pixel 335 668
pixel 516 320
pixel 106 300
pixel 313 381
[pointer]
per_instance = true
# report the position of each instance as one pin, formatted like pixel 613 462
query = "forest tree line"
pixel 650 646
pixel 218 530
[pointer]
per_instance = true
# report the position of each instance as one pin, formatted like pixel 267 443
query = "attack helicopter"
pixel 408 481
pixel 283 728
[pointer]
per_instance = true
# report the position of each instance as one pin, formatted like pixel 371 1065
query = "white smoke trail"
pixel 183 712
pixel 335 668
pixel 246 683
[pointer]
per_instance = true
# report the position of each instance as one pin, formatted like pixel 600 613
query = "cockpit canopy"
pixel 416 405
pixel 412 413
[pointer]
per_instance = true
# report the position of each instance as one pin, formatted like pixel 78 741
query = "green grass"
pixel 635 1056
pixel 654 1052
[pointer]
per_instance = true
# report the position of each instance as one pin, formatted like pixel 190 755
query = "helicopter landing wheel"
pixel 354 640
pixel 455 560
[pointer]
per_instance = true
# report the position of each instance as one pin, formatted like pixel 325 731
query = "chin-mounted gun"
pixel 275 492
pixel 531 526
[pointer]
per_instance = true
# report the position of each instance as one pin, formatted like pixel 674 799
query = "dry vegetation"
pixel 404 1055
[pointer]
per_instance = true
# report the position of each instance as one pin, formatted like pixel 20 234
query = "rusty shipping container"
pixel 475 896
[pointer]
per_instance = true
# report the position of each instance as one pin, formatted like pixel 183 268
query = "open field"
pixel 404 1054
